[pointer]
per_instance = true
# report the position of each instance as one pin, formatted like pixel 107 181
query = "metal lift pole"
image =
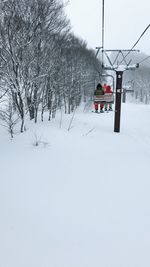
pixel 118 101
pixel 103 21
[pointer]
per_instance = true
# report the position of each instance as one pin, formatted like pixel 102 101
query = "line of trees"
pixel 139 79
pixel 43 65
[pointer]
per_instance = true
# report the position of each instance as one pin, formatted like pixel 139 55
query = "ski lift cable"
pixel 143 59
pixel 135 43
pixel 103 29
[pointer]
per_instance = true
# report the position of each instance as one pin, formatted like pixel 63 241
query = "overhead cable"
pixel 135 43
pixel 143 59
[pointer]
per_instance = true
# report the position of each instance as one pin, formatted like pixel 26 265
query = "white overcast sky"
pixel 125 20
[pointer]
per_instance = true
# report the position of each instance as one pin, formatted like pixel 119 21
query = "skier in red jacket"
pixel 108 98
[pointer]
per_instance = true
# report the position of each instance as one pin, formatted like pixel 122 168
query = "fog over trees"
pixel 139 79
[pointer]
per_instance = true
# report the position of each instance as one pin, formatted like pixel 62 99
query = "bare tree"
pixel 8 118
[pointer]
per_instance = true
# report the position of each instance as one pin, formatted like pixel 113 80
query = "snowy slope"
pixel 83 199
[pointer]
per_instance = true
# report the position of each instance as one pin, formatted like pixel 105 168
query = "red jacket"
pixel 108 90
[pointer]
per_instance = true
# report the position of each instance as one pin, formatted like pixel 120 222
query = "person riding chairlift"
pixel 99 92
pixel 108 97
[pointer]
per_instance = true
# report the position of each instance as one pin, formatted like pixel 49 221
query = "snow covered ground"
pixel 83 199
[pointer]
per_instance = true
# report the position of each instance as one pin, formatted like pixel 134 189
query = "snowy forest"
pixel 44 66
